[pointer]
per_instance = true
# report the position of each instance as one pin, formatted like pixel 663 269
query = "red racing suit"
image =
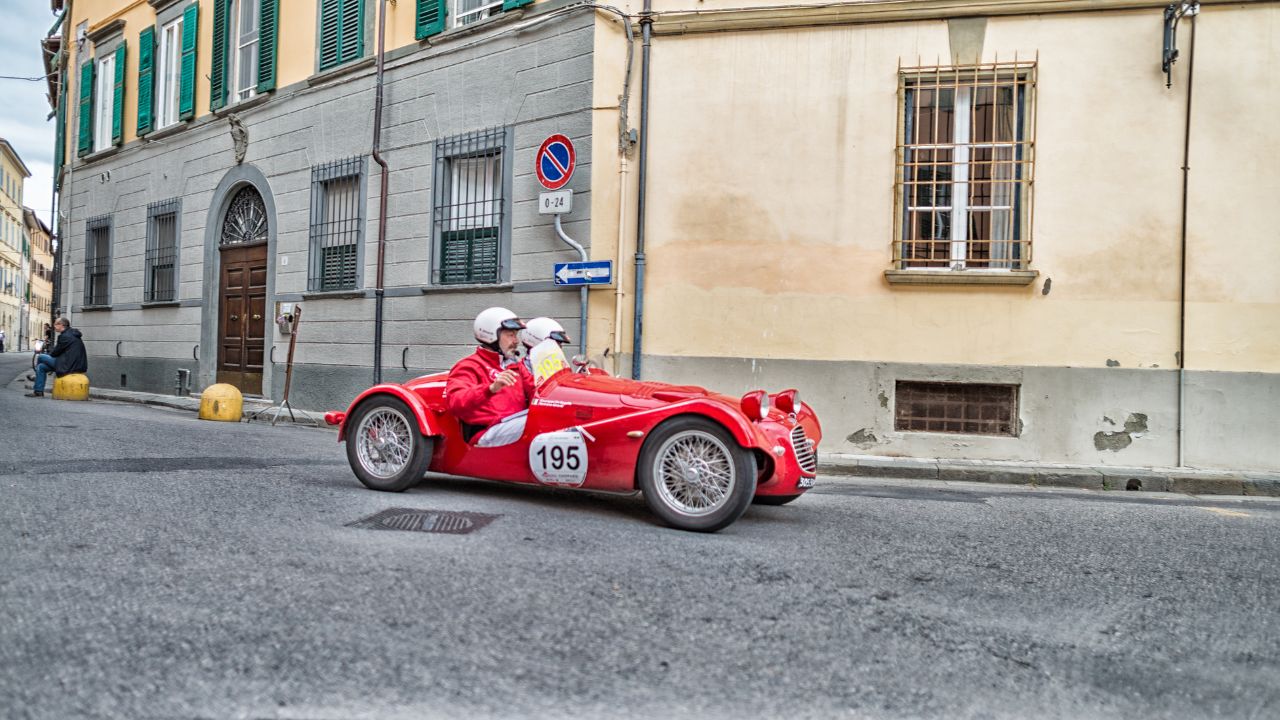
pixel 467 389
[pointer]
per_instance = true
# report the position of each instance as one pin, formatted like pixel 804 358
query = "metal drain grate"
pixel 430 521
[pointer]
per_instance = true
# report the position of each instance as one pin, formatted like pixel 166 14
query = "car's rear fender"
pixel 427 422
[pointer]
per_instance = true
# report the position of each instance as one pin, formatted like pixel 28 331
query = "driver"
pixel 490 387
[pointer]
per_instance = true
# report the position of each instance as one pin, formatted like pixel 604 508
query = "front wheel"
pixel 694 476
pixel 384 446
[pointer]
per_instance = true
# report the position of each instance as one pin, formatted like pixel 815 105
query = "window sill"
pixel 166 131
pixel 321 78
pixel 961 277
pixel 244 105
pixel 485 287
pixel 94 308
pixel 333 294
pixel 94 157
pixel 161 304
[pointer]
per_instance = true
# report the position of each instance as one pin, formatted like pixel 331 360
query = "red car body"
pixel 615 416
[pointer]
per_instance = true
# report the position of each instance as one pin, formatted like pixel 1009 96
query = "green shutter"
pixel 187 80
pixel 329 24
pixel 117 97
pixel 218 63
pixel 513 4
pixel 60 135
pixel 268 29
pixel 352 30
pixel 341 32
pixel 430 18
pixel 84 144
pixel 146 79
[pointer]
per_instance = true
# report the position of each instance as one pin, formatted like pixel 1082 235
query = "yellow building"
pixel 13 175
pixel 1031 230
pixel 39 295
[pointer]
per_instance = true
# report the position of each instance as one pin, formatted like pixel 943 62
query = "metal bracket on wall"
pixel 403 356
pixel 271 356
pixel 118 348
pixel 195 350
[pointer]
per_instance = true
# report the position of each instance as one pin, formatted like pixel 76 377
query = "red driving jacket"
pixel 467 389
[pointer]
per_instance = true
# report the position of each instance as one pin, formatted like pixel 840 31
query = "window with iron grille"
pixel 965 167
pixel 946 407
pixel 160 283
pixel 97 260
pixel 470 223
pixel 337 225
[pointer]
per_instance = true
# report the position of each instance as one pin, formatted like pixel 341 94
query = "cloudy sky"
pixel 23 106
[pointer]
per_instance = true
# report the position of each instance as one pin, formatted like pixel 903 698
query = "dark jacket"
pixel 69 353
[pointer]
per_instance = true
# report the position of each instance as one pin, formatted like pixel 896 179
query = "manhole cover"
pixel 432 521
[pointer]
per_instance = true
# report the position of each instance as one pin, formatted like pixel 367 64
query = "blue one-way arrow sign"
pixel 595 272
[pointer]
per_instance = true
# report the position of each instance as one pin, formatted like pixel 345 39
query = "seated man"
pixel 490 387
pixel 66 357
pixel 537 330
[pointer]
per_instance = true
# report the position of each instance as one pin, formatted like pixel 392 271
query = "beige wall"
pixel 771 197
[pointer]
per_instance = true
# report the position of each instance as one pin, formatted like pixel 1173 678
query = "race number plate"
pixel 559 458
pixel 805 482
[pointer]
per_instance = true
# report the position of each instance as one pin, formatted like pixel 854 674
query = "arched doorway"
pixel 242 290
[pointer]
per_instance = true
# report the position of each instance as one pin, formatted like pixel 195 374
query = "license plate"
pixel 805 482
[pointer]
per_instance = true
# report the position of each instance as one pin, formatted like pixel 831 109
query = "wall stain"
pixel 863 437
pixel 1113 363
pixel 1134 426
pixel 1048 283
pixel 884 399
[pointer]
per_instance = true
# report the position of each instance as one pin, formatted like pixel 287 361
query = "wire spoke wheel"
pixel 385 447
pixel 383 442
pixel 694 475
pixel 696 472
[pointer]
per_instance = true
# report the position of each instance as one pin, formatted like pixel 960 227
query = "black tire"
pixel 774 499
pixel 676 499
pixel 385 448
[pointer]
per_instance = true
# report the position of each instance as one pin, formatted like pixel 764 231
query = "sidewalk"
pixel 1090 477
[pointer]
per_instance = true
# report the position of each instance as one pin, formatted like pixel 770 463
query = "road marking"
pixel 1224 512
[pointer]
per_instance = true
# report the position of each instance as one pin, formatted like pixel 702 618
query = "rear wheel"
pixel 384 446
pixel 694 476
pixel 774 499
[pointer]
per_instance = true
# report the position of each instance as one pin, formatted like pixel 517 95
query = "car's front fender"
pixel 427 422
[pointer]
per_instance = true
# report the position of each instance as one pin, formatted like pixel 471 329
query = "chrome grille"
pixel 804 449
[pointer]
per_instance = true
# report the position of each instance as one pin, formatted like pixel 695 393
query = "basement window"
pixel 963 408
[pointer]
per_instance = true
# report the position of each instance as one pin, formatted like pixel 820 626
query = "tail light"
pixel 755 404
pixel 788 401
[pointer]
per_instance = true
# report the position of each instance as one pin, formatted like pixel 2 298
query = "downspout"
pixel 379 290
pixel 1182 288
pixel 637 329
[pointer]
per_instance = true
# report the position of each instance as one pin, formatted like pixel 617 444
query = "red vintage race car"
pixel 698 457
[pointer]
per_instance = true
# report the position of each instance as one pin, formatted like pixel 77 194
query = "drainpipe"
pixel 637 330
pixel 582 291
pixel 379 291
pixel 1182 288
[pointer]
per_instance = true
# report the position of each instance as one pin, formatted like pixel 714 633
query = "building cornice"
pixel 106 31
pixel 677 22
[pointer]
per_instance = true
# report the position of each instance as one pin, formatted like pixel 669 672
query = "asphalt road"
pixel 156 566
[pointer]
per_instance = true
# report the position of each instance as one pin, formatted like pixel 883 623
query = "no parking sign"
pixel 555 162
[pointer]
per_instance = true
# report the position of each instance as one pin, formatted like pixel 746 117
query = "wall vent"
pixel 947 407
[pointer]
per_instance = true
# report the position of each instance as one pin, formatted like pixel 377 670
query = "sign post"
pixel 554 165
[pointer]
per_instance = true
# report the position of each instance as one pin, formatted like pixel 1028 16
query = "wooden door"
pixel 242 310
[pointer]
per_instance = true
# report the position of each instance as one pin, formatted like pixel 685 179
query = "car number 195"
pixel 559 458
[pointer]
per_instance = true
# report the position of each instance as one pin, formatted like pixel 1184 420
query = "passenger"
pixel 490 387
pixel 537 330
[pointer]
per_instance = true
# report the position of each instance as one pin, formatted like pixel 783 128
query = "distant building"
pixel 990 230
pixel 39 295
pixel 13 247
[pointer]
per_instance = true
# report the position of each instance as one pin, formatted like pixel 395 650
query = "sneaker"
pixel 31 377
pixel 34 393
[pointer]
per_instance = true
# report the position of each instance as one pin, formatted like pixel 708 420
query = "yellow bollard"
pixel 221 402
pixel 74 386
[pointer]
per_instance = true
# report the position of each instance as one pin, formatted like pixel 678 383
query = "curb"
pixel 1188 481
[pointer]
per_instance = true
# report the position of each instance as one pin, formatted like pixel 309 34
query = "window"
pixel 169 73
pixel 97 261
pixel 244 49
pixel 968 408
pixel 341 32
pixel 466 12
pixel 965 167
pixel 103 93
pixel 469 218
pixel 337 225
pixel 161 279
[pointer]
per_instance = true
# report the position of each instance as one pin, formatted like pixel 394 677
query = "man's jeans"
pixel 44 364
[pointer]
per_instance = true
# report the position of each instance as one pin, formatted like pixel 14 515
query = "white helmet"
pixel 493 319
pixel 541 328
